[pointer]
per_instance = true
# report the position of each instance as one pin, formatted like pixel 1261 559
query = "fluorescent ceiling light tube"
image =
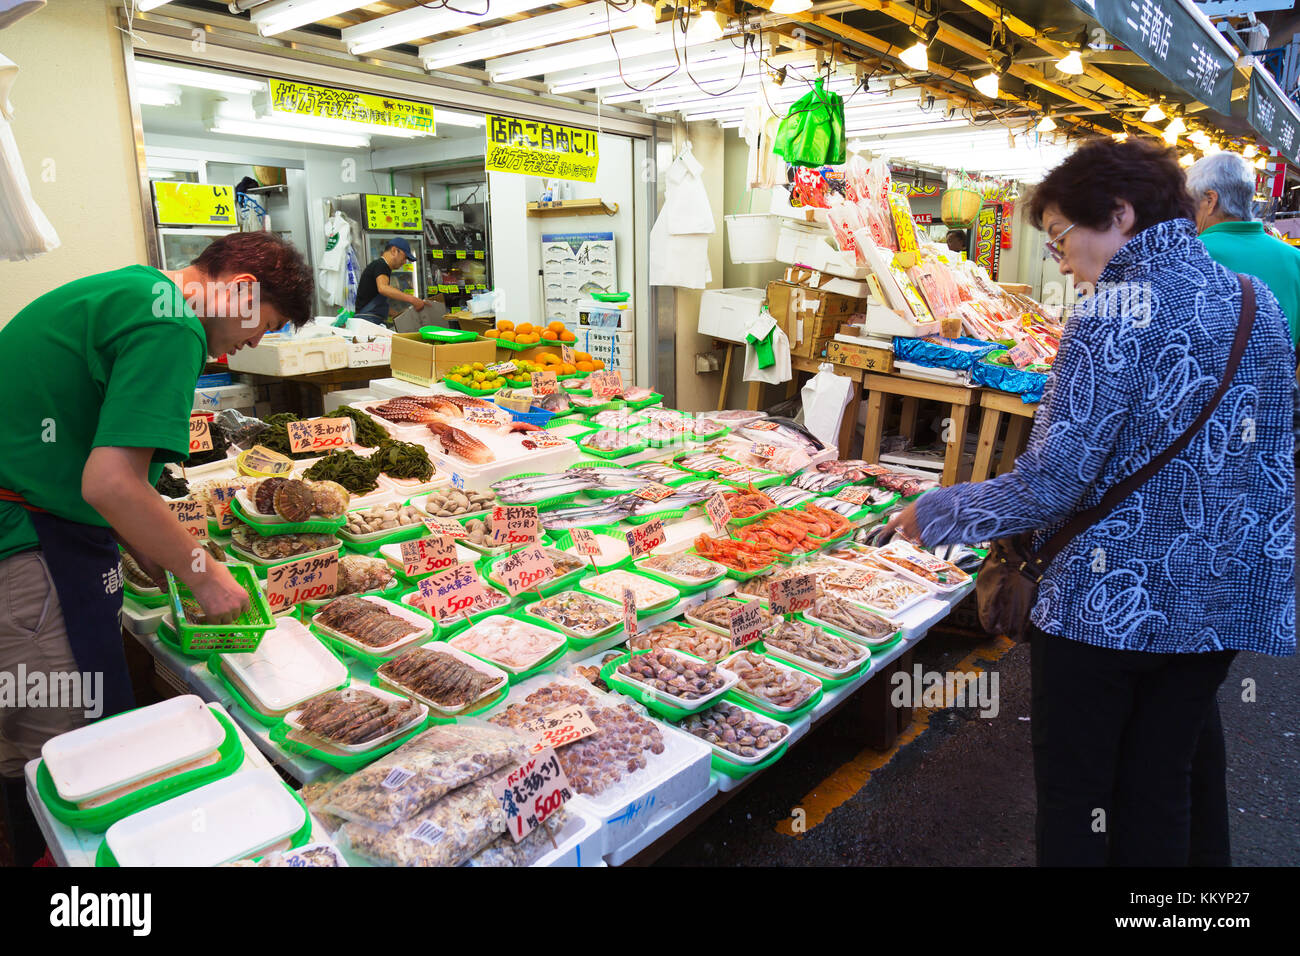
pixel 915 56
pixel 489 42
pixel 273 18
pixel 291 134
pixel 442 117
pixel 787 7
pixel 417 22
pixel 323 124
pixel 579 53
pixel 158 95
pixel 646 68
pixel 157 74
pixel 1071 63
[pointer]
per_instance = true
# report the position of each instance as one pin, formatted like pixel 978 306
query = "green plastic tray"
pixel 561 418
pixel 563 540
pixel 373 660
pixel 271 529
pixel 445 629
pixel 785 717
pixel 104 855
pixel 685 589
pixel 537 668
pixel 562 583
pixel 546 504
pixel 632 449
pixel 214 668
pixel 611 296
pixel 516 347
pixel 732 572
pixel 672 514
pixel 831 682
pixel 770 482
pixel 650 701
pixel 348 763
pixel 641 612
pixel 99 819
pixel 839 632
pixel 242 636
pixel 476 392
pixel 168 636
pixel 653 399
pixel 739 771
pixel 145 600
pixel 437 333
pixel 613 405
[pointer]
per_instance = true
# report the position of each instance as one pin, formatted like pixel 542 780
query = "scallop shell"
pixel 264 495
pixel 294 501
pixel 330 499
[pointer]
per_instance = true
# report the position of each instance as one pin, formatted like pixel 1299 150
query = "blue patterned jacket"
pixel 1202 557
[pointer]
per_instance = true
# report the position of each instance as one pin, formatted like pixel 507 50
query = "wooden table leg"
pixel 1017 433
pixel 755 394
pixel 990 419
pixel 875 425
pixel 726 374
pixel 907 418
pixel 850 423
pixel 956 440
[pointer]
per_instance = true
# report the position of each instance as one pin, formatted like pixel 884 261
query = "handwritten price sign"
pixel 192 516
pixel 746 623
pixel 529 568
pixel 446 527
pixel 544 383
pixel 792 594
pixel 629 613
pixel 514 525
pixel 427 556
pixel 452 592
pixel 200 434
pixel 645 538
pixel 502 368
pixel 319 434
pixel 532 792
pixel 762 426
pixel 654 492
pixel 559 727
pixel 729 468
pixel 307 579
pixel 262 459
pixel 479 414
pixel 584 541
pixel 605 384
pixel 719 513
pixel 566 355
pixel 223 494
pixel 762 451
pixel 854 494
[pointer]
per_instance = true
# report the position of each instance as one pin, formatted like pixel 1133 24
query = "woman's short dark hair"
pixel 1101 172
pixel 284 278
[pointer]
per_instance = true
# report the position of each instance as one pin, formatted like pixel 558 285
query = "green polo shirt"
pixel 109 359
pixel 1246 247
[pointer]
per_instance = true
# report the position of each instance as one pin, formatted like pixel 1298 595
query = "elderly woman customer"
pixel 1139 616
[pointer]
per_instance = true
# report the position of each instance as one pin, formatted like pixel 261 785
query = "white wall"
pixel 73 130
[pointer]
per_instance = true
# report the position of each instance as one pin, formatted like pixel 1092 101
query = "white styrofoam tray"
pixel 289 666
pixel 555 641
pixel 104 756
pixel 418 715
pixel 424 629
pixel 242 814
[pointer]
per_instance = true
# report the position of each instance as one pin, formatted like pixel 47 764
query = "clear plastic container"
pixel 554 641
pixel 288 667
pixel 423 632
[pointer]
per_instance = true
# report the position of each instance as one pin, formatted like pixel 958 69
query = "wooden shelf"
pixel 573 207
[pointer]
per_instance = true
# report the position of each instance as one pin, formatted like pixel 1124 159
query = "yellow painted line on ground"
pixel 851 777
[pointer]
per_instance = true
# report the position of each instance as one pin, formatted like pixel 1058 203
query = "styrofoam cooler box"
pixel 365 354
pixel 219 397
pixel 728 313
pixel 282 355
pixel 350 396
pixel 384 388
pixel 807 245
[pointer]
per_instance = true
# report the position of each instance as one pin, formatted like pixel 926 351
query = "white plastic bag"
pixel 825 398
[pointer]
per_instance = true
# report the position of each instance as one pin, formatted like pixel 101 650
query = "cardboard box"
pixel 860 356
pixel 422 362
pixel 787 298
pixel 812 279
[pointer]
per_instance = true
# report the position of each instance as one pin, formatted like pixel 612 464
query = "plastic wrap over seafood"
pixel 354 716
pixel 770 683
pixel 735 730
pixel 699 641
pixel 815 646
pixel 852 619
pixel 577 612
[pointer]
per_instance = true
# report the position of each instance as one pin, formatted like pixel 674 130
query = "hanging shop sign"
pixel 533 148
pixel 1272 116
pixel 988 244
pixel 394 214
pixel 302 99
pixel 194 204
pixel 1175 41
pixel 924 191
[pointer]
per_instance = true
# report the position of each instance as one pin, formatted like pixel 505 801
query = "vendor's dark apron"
pixel 376 308
pixel 87 572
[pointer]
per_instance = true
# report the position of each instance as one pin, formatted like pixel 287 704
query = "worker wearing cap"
pixel 375 289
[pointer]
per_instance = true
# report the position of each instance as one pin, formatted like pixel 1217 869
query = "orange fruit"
pixel 598 364
pixel 505 325
pixel 567 336
pixel 550 335
pixel 508 336
pixel 491 334
pixel 582 356
pixel 568 368
pixel 556 327
pixel 525 327
pixel 585 366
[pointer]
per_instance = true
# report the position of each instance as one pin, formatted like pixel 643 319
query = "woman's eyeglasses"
pixel 1053 246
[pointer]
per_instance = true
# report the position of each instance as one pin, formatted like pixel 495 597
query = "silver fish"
pixel 581 516
pixel 660 473
pixel 522 491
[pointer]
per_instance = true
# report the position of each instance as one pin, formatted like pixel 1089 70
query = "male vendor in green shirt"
pixel 97 383
pixel 1223 186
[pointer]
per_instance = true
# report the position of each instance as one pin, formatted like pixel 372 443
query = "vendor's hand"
pixel 222 598
pixel 157 573
pixel 905 525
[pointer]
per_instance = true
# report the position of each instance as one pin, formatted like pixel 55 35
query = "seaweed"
pixel 400 459
pixel 367 431
pixel 170 486
pixel 357 474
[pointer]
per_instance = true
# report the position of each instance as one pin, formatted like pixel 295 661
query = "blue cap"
pixel 402 244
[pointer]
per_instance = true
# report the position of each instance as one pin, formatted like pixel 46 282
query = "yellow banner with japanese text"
pixel 303 99
pixel 533 148
pixel 194 204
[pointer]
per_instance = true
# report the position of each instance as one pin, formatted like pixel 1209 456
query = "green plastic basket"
pixel 632 449
pixel 104 855
pixel 168 636
pixel 598 494
pixel 614 404
pixel 723 431
pixel 348 763
pixel 99 819
pixel 672 514
pixel 769 482
pixel 242 636
pixel 652 703
pixel 271 529
pixel 654 399
pixel 522 347
pixel 469 390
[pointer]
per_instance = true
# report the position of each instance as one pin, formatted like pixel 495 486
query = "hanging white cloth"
pixel 11 11
pixel 25 232
pixel 333 272
pixel 777 372
pixel 758 128
pixel 679 241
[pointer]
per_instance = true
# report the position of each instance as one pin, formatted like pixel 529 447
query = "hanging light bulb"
pixel 1154 114
pixel 1212 148
pixel 1250 151
pixel 914 56
pixel 1045 125
pixel 643 16
pixel 1261 162
pixel 706 28
pixel 1200 138
pixel 1120 137
pixel 1071 63
pixel 1186 160
pixel 1176 126
pixel 1170 138
pixel 988 85
pixel 791 6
